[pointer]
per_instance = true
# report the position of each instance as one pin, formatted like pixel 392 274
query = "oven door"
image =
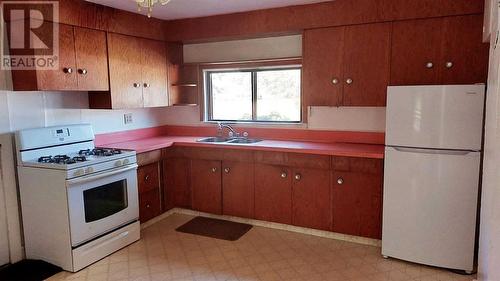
pixel 102 202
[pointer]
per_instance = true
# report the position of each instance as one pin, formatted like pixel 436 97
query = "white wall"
pixel 371 119
pixel 489 241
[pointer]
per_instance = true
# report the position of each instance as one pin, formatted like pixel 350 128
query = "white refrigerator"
pixel 431 175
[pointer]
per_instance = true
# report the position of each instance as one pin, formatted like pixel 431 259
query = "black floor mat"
pixel 214 228
pixel 28 270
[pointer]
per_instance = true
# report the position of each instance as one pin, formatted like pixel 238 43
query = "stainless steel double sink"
pixel 228 140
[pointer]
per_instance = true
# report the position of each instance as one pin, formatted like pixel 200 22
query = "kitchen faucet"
pixel 232 131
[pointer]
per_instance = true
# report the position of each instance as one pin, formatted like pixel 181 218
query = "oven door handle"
pixel 100 175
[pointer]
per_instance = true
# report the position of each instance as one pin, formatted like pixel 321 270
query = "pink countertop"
pixel 324 148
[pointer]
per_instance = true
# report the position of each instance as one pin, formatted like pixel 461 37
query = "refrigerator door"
pixel 442 117
pixel 430 204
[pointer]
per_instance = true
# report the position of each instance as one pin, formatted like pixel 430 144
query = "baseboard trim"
pixel 279 226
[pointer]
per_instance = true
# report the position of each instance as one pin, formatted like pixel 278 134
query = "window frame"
pixel 208 97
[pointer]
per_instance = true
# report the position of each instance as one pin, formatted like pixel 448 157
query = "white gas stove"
pixel 79 203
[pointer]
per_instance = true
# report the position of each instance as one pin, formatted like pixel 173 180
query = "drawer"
pixel 148 177
pixel 149 205
pixel 270 157
pixel 312 161
pixel 354 164
pixel 148 157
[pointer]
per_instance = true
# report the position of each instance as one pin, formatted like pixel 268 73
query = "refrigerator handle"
pixel 431 151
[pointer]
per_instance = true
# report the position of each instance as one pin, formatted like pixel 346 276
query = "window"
pixel 254 95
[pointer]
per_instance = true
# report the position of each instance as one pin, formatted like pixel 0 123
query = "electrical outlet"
pixel 127 118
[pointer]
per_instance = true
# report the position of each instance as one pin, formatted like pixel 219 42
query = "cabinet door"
pixel 322 66
pixel 416 50
pixel 357 204
pixel 238 189
pixel 148 177
pixel 91 59
pixel 366 64
pixel 464 49
pixel 64 78
pixel 125 71
pixel 311 199
pixel 206 184
pixel 154 73
pixel 177 188
pixel 273 193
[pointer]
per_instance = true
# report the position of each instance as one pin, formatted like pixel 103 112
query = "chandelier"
pixel 148 4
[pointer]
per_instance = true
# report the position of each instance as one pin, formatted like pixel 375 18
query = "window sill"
pixel 237 124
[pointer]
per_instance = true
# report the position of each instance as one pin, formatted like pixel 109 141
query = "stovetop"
pixel 81 158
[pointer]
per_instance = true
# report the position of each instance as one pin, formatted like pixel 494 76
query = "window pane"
pixel 278 95
pixel 232 96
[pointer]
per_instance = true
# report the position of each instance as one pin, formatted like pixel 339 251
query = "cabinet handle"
pixel 349 81
pixel 147 85
pixel 449 64
pixel 147 206
pixel 82 71
pixel 227 170
pixel 68 70
pixel 146 178
pixel 284 174
pixel 340 181
pixel 335 81
pixel 214 170
pixel 137 85
pixel 429 65
pixel 298 177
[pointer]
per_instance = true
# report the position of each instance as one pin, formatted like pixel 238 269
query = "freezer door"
pixel 430 204
pixel 442 117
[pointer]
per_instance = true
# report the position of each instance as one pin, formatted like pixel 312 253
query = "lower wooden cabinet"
pixel 238 189
pixel 149 205
pixel 311 199
pixel 177 189
pixel 206 186
pixel 357 197
pixel 273 193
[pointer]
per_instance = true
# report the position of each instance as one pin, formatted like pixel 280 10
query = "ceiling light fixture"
pixel 148 4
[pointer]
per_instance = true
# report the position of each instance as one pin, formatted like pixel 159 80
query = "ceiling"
pixel 179 9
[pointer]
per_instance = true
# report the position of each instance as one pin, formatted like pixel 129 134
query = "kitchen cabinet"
pixel 439 51
pixel 206 186
pixel 137 74
pixel 148 178
pixel 82 64
pixel 238 189
pixel 347 66
pixel 273 193
pixel 177 188
pixel 357 196
pixel 311 198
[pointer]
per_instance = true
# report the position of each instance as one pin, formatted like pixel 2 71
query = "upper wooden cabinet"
pixel 439 51
pixel 347 65
pixel 82 64
pixel 137 74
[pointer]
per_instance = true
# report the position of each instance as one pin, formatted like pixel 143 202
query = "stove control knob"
pixel 79 172
pixel 126 161
pixel 118 163
pixel 89 170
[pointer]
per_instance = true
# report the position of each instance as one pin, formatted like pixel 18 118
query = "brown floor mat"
pixel 214 228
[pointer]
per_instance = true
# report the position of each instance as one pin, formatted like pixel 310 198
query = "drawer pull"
pixel 298 177
pixel 284 174
pixel 340 181
pixel 214 170
pixel 147 206
pixel 227 170
pixel 146 178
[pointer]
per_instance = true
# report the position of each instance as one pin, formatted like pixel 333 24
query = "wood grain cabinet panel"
pixel 322 74
pixel 65 77
pixel 357 204
pixel 367 64
pixel 311 199
pixel 149 205
pixel 137 78
pixel 464 49
pixel 206 184
pixel 238 189
pixel 273 193
pixel 148 177
pixel 416 52
pixel 91 59
pixel 177 188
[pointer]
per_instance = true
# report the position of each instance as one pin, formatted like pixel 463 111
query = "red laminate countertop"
pixel 323 148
